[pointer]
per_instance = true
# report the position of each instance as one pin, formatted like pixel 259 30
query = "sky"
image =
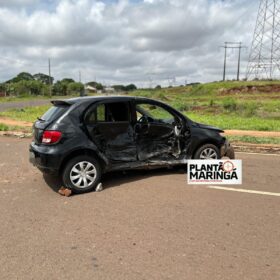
pixel 146 42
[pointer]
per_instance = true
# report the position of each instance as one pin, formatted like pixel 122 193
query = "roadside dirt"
pixel 11 122
pixel 250 89
pixel 256 148
pixel 252 133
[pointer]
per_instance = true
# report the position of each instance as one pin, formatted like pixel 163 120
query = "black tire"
pixel 198 154
pixel 68 170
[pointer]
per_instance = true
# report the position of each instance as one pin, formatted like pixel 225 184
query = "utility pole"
pixel 82 92
pixel 50 79
pixel 232 45
pixel 225 61
pixel 239 57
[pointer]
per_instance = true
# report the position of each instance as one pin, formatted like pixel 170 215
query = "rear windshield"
pixel 54 113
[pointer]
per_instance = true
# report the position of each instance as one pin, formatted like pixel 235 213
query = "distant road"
pixel 22 104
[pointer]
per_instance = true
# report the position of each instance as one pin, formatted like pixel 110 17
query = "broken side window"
pixel 109 112
pixel 153 113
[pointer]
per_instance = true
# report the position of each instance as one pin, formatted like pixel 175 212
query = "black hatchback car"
pixel 81 138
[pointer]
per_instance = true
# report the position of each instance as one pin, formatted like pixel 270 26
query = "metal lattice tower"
pixel 264 60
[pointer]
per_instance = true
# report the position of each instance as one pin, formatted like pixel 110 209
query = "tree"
pixel 119 88
pixel 75 88
pixel 130 87
pixel 45 79
pixel 96 85
pixel 67 80
pixel 60 88
pixel 158 87
pixel 21 88
pixel 23 76
pixel 35 87
pixel 2 87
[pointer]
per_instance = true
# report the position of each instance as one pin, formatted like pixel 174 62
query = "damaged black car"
pixel 79 139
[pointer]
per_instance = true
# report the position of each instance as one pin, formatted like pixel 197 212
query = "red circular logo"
pixel 228 166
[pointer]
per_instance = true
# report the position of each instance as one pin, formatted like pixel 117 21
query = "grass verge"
pixel 254 140
pixel 233 121
pixel 223 121
pixel 4 127
pixel 28 114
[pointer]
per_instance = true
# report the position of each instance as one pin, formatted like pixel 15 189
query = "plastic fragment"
pixel 99 187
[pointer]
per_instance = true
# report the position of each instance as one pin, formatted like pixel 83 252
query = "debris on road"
pixel 64 191
pixel 99 187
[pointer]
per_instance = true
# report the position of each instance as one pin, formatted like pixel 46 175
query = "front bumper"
pixel 227 150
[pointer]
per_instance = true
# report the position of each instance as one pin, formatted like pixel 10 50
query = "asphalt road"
pixel 144 225
pixel 22 104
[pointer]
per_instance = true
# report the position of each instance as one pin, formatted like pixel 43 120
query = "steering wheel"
pixel 143 119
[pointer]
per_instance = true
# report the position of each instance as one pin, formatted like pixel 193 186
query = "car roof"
pixel 75 100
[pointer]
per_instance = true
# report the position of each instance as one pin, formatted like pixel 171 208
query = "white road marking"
pixel 243 191
pixel 258 154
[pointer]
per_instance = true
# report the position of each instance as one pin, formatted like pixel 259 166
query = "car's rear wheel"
pixel 208 151
pixel 82 174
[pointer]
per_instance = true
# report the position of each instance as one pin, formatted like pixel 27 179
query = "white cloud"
pixel 17 3
pixel 124 41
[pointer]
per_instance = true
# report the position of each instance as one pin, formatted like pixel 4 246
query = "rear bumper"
pixel 227 150
pixel 44 159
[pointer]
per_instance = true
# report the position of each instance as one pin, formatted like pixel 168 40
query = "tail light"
pixel 51 136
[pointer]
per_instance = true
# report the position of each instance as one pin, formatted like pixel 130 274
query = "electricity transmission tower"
pixel 264 60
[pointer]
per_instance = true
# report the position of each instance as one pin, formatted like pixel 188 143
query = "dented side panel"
pixel 115 140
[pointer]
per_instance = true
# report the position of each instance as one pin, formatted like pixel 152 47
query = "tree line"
pixel 41 84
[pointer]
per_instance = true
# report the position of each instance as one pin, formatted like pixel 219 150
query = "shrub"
pixel 230 105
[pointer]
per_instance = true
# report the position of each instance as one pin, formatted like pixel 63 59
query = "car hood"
pixel 209 127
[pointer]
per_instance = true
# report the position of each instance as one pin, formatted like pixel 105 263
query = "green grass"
pixel 225 121
pixel 255 140
pixel 28 114
pixel 4 127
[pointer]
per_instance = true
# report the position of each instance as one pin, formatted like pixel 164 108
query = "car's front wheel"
pixel 208 151
pixel 82 174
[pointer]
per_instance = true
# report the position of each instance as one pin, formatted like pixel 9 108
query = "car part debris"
pixel 99 187
pixel 64 191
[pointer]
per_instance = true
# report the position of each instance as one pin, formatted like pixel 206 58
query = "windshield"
pixel 53 113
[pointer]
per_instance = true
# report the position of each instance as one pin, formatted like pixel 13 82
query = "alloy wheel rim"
pixel 208 153
pixel 83 174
